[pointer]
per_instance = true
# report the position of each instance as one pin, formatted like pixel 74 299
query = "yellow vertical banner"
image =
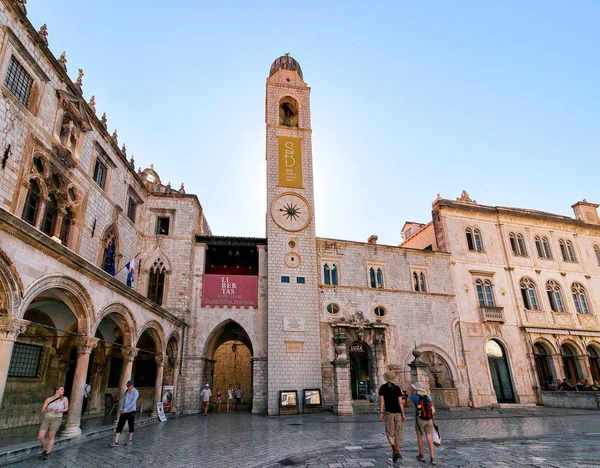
pixel 290 162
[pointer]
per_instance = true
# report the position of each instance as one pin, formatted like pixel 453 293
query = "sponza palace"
pixel 500 301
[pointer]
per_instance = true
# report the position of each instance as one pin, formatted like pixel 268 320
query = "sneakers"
pixel 396 457
pixel 432 462
pixel 130 442
pixel 113 444
pixel 44 455
pixel 421 458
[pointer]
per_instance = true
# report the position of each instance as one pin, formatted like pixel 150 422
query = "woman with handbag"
pixel 53 409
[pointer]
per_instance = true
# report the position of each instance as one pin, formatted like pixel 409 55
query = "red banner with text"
pixel 230 290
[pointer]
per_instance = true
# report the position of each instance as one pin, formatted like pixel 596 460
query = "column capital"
pixel 174 362
pixel 129 354
pixel 161 360
pixel 85 344
pixel 11 327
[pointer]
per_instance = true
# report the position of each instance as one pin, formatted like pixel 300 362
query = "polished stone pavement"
pixel 541 437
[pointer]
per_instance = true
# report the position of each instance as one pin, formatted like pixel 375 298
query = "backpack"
pixel 425 408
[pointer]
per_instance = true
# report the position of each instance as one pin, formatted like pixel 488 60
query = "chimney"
pixel 372 239
pixel 586 212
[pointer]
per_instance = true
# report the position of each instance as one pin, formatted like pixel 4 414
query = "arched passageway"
pixel 500 372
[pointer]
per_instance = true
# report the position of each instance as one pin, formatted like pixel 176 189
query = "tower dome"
pixel 287 62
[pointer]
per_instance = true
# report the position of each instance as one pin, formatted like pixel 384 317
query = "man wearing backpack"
pixel 391 406
pixel 423 420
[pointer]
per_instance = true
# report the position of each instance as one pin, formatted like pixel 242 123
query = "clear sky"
pixel 409 99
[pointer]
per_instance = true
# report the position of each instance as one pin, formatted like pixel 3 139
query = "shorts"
pixel 238 401
pixel 218 400
pixel 50 424
pixel 393 426
pixel 423 426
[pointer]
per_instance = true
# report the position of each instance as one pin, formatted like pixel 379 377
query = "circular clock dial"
pixel 291 212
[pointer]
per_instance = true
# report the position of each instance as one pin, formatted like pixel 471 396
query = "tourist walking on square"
pixel 53 409
pixel 205 396
pixel 423 420
pixel 391 409
pixel 229 397
pixel 218 400
pixel 238 397
pixel 87 388
pixel 127 413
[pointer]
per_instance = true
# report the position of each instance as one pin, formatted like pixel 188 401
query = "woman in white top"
pixel 53 409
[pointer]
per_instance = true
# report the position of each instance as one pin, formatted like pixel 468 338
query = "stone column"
pixel 10 328
pixel 342 405
pixel 129 355
pixel 85 344
pixel 176 363
pixel 259 385
pixel 418 370
pixel 378 341
pixel 160 366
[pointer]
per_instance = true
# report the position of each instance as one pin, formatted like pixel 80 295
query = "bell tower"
pixel 294 358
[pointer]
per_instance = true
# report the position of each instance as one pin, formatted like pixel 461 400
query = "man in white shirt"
pixel 86 393
pixel 205 396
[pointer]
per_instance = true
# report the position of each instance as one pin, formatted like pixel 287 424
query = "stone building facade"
pixel 296 322
pixel 527 287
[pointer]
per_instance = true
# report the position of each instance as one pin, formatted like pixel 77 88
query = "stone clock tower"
pixel 294 359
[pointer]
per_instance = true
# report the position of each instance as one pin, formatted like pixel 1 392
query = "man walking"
pixel 238 397
pixel 391 407
pixel 86 393
pixel 423 420
pixel 127 413
pixel 205 395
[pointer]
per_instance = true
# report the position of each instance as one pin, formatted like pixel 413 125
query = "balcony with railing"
pixel 492 313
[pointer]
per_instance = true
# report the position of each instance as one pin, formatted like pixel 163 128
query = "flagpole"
pixel 127 264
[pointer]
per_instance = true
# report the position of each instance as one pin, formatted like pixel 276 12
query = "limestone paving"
pixel 506 438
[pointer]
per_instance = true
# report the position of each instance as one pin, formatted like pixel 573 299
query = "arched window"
pixel 288 112
pixel 567 250
pixel 423 282
pixel 379 278
pixel 521 242
pixel 547 251
pixel 597 252
pixel 594 358
pixel 32 203
pixel 334 275
pixel 326 274
pixel 539 247
pixel 50 214
pixel 372 280
pixel 580 299
pixel 555 296
pixel 156 282
pixel 529 295
pixel 474 239
pixel 517 244
pixel 66 226
pixel 485 294
pixel 569 364
pixel 109 253
pixel 513 243
pixel 543 364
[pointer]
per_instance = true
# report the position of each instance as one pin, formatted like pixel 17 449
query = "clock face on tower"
pixel 291 212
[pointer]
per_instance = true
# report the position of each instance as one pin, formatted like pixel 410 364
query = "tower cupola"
pixel 286 62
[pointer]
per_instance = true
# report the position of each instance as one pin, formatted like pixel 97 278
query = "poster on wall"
pixel 167 399
pixel 290 161
pixel 230 291
pixel 161 411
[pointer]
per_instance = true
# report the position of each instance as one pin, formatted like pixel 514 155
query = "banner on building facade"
pixel 230 290
pixel 290 162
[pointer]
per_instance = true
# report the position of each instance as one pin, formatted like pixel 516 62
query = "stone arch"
pixel 157 333
pixel 443 354
pixel 504 393
pixel 111 232
pixel 573 344
pixel 157 255
pixel 289 110
pixel 546 344
pixel 81 304
pixel 118 308
pixel 11 286
pixel 174 337
pixel 211 337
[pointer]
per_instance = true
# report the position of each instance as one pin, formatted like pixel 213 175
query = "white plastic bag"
pixel 437 440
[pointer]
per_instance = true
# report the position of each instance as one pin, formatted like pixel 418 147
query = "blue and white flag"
pixel 131 272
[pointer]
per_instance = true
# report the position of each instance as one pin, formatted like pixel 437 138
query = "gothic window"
pixel 567 251
pixel 517 244
pixel 474 239
pixel 38 164
pixel 161 227
pixel 288 112
pixel 32 203
pixel 109 253
pixel 326 274
pixel 555 296
pixel 580 299
pixel 66 226
pixel 18 81
pixel 379 278
pixel 597 252
pixel 156 282
pixel 529 294
pixel 547 250
pixel 100 174
pixel 372 280
pixel 50 215
pixel 330 274
pixel 485 294
pixel 419 281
